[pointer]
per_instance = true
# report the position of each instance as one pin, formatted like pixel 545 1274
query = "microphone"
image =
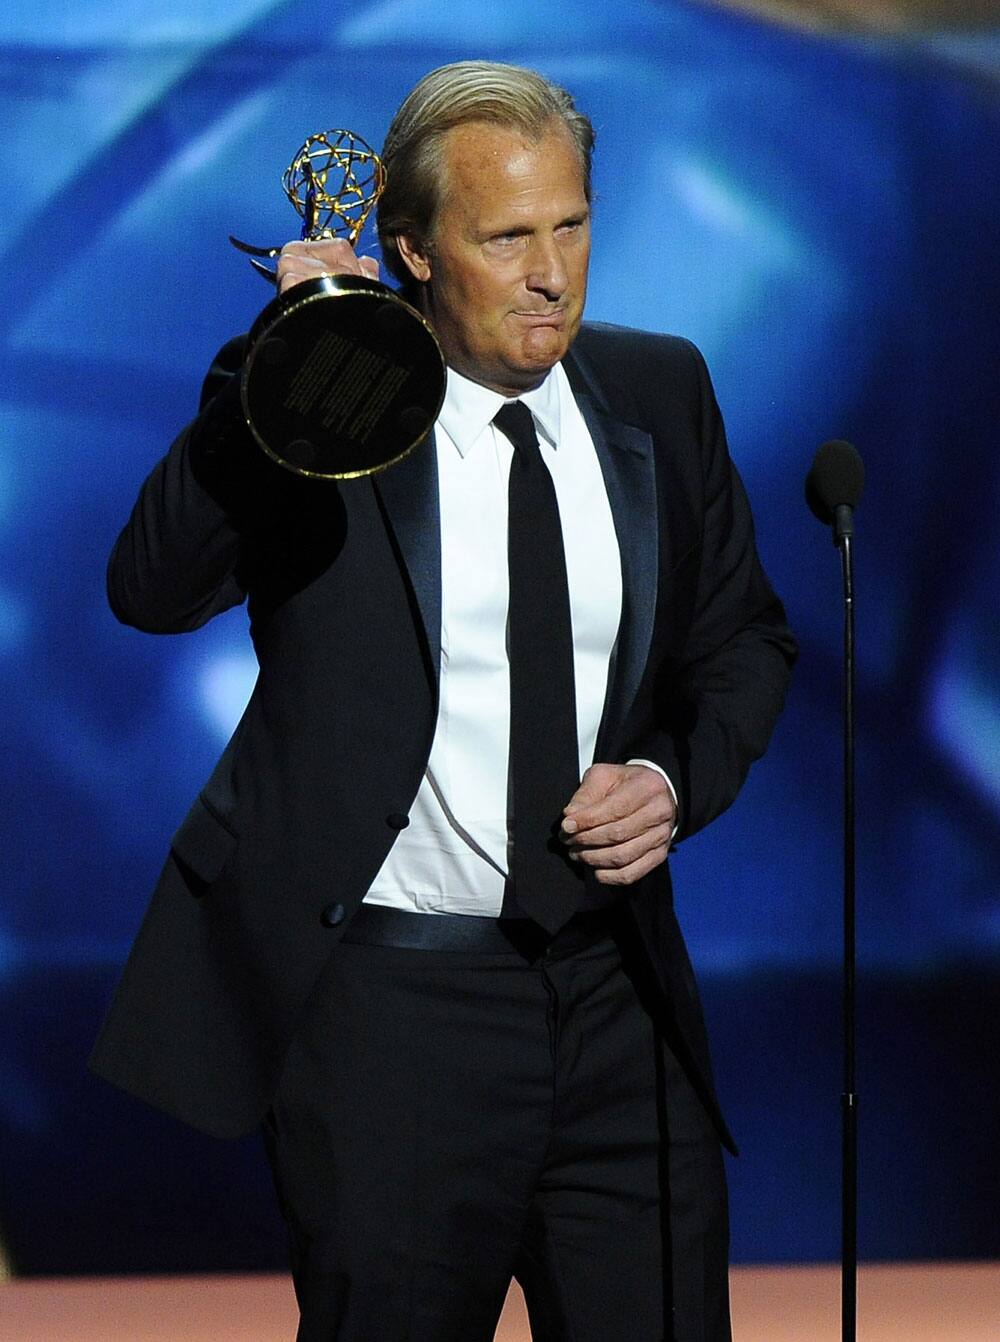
pixel 833 488
pixel 834 485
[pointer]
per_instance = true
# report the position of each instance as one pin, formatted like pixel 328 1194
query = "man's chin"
pixel 525 375
pixel 545 344
pixel 521 368
pixel 537 355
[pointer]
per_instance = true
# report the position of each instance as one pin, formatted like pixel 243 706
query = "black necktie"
pixel 544 752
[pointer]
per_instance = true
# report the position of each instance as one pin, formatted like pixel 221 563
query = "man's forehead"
pixel 486 152
pixel 489 142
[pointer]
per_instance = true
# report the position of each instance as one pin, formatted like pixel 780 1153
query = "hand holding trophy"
pixel 342 378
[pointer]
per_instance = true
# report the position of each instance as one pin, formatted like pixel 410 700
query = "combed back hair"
pixel 455 95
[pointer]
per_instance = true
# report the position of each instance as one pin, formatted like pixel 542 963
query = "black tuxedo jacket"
pixel 343 590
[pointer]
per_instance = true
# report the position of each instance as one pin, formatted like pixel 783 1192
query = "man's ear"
pixel 416 256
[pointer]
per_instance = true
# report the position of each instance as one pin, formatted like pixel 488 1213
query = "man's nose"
pixel 547 272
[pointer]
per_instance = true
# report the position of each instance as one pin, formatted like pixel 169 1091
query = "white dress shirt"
pixel 453 856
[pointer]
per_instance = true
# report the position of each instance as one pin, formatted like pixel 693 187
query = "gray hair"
pixel 454 95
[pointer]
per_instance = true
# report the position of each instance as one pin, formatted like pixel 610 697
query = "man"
pixel 419 921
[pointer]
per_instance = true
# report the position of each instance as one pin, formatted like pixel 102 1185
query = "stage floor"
pixel 912 1303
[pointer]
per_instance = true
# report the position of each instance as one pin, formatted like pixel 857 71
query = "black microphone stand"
pixel 843 535
pixel 833 487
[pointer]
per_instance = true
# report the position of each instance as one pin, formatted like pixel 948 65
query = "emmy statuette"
pixel 343 378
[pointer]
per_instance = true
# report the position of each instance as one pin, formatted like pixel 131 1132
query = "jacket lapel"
pixel 408 495
pixel 626 457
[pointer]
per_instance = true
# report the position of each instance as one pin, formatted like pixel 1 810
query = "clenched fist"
pixel 620 822
pixel 301 261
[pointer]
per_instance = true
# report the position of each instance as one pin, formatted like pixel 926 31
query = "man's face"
pixel 506 266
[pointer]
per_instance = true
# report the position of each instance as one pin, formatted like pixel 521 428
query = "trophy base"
pixel 343 378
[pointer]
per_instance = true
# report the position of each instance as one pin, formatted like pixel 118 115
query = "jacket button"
pixel 332 915
pixel 396 820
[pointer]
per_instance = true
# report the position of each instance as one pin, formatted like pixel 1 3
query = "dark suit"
pixel 344 596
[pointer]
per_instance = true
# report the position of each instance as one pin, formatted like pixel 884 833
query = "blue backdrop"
pixel 819 215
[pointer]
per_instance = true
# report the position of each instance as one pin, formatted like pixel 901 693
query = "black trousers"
pixel 449 1120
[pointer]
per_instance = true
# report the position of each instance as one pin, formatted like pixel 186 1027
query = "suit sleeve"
pixel 176 563
pixel 716 706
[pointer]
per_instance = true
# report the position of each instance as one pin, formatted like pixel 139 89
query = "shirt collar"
pixel 468 408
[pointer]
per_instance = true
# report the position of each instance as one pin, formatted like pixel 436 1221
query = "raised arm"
pixel 180 559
